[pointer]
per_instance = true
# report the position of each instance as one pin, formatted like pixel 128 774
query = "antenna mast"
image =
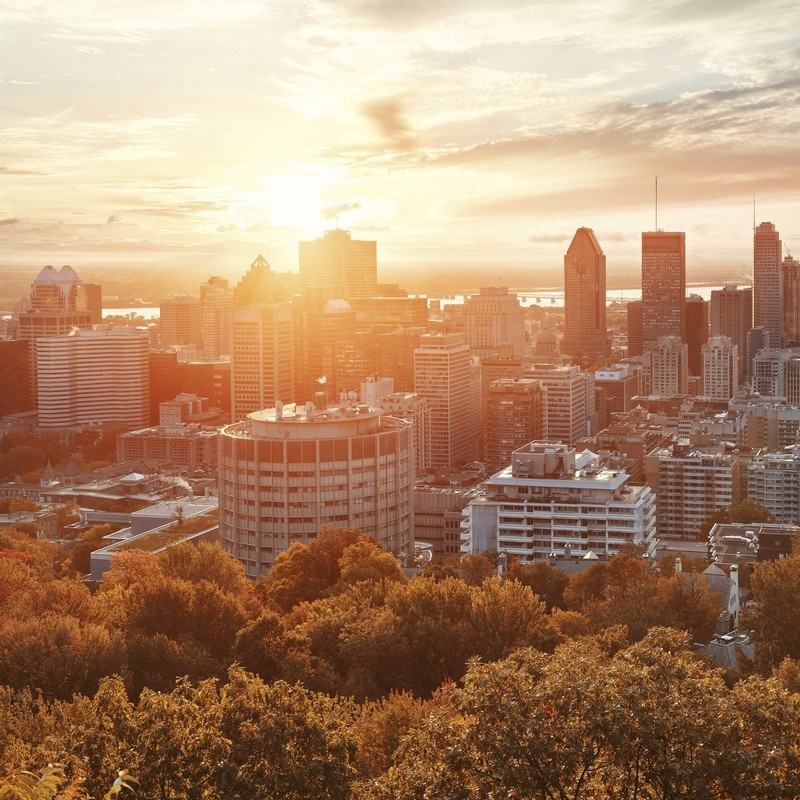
pixel 656 203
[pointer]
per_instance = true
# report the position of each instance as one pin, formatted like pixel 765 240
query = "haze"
pixel 451 132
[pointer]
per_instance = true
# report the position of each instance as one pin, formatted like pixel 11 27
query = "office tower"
pixel 633 313
pixel 339 262
pixel 410 406
pixel 261 285
pixel 696 331
pixel 15 376
pixel 568 402
pixel 621 383
pixel 56 306
pixel 393 310
pixel 552 502
pixel 263 362
pixel 216 317
pixel 494 320
pixel 585 330
pixel 720 368
pixel 769 372
pixel 94 301
pixel 513 418
pixel 669 368
pixel 690 484
pixel 790 269
pixel 211 379
pixel 663 286
pixel 395 356
pixel 180 324
pixel 91 377
pixel 285 472
pixel 164 381
pixel 768 298
pixel 442 375
pixel 328 340
pixel 731 315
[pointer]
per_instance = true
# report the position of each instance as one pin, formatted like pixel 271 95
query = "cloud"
pixel 333 210
pixel 9 221
pixel 388 115
pixel 112 219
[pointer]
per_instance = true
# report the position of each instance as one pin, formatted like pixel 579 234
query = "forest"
pixel 338 677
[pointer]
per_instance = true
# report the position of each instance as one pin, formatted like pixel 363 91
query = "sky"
pixel 452 132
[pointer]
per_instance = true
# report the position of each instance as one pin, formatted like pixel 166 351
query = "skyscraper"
pixel 663 286
pixel 494 320
pixel 180 323
pixel 216 317
pixel 768 300
pixel 337 261
pixel 720 368
pixel 732 316
pixel 442 374
pixel 94 376
pixel 669 367
pixel 585 332
pixel 790 268
pixel 696 326
pixel 263 358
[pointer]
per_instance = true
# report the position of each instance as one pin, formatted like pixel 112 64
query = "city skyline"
pixel 469 133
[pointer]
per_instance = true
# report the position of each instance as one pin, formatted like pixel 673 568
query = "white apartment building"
pixel 90 377
pixel 720 357
pixel 669 367
pixel 285 472
pixel 773 479
pixel 552 500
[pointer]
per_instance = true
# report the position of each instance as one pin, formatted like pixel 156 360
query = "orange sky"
pixel 458 131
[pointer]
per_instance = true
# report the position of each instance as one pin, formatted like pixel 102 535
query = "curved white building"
pixel 286 472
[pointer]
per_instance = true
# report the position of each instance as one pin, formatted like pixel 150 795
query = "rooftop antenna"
pixel 754 214
pixel 656 203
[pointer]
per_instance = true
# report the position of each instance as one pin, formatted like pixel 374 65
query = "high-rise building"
pixel 696 310
pixel 758 339
pixel 552 502
pixel 568 401
pixel 585 329
pixel 211 379
pixel 690 484
pixel 621 383
pixel 410 406
pixel 216 317
pixel 669 367
pixel 663 286
pixel 261 285
pixel 768 296
pixel 731 315
pixel 633 314
pixel 15 376
pixel 57 305
pixel 773 481
pixel 790 268
pixel 263 363
pixel 339 262
pixel 94 377
pixel 285 472
pixel 442 375
pixel 180 323
pixel 494 320
pixel 164 380
pixel 720 368
pixel 513 418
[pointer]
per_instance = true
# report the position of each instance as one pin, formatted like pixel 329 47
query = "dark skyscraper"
pixel 585 333
pixel 696 331
pixel 663 286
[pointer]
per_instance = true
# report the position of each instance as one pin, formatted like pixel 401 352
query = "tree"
pixel 547 582
pixel 776 590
